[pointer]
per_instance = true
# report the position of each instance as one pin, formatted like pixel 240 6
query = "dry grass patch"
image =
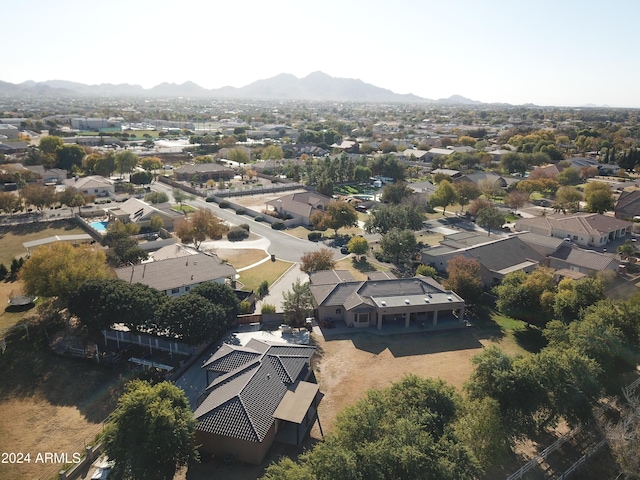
pixel 239 257
pixel 269 271
pixel 12 237
pixel 9 316
pixel 50 403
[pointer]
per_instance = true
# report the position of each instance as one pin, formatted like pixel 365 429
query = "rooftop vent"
pixel 449 298
pixel 406 300
pixel 426 300
pixel 383 303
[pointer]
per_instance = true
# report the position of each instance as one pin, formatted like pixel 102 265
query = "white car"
pixel 103 471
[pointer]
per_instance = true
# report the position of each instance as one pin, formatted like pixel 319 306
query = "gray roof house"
pixel 497 256
pixel 582 261
pixel 383 301
pixel 177 276
pixel 628 205
pixel 261 392
pixel 585 229
pixel 203 172
pixel 300 206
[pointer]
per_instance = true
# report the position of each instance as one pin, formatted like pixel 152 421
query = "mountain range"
pixel 316 86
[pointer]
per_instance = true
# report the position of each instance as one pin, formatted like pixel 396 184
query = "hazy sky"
pixel 547 52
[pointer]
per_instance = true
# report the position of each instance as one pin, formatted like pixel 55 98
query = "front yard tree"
pixel 156 197
pixel 39 196
pixel 318 260
pixel 58 270
pixel 464 278
pixel 598 197
pixel 73 198
pixel 340 214
pixel 69 156
pixel 358 246
pixel 297 304
pixel 126 161
pixel 398 244
pixel 516 199
pixel 49 144
pixel 568 198
pixel 444 196
pixel 490 217
pixel 467 192
pixel 180 196
pixel 395 192
pixel 9 202
pixel 201 225
pixel 151 433
pixel 386 217
pixel 238 155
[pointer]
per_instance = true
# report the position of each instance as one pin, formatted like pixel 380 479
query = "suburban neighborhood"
pixel 295 288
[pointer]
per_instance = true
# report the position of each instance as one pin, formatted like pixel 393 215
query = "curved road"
pixel 283 245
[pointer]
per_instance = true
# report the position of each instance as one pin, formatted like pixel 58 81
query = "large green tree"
pixel 69 156
pixel 395 192
pixel 598 197
pixel 126 161
pixel 221 295
pixel 398 244
pixel 386 217
pixel 444 196
pixel 337 214
pixel 58 270
pixel 151 432
pixel 297 303
pixel 402 432
pixel 193 319
pixel 490 217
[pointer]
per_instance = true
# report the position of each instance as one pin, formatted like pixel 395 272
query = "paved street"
pixel 283 245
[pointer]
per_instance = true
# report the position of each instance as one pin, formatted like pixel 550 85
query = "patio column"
pixel 406 322
pixel 379 320
pixel 435 317
pixel 461 314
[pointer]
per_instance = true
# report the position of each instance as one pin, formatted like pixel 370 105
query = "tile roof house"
pixel 383 301
pixel 140 212
pixel 585 229
pixel 497 256
pixel 261 392
pixel 300 206
pixel 628 205
pixel 177 276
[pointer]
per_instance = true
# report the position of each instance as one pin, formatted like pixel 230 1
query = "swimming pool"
pixel 100 227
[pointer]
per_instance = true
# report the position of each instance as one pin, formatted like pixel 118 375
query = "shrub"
pixel 263 289
pixel 245 226
pixel 259 218
pixel 224 204
pixel 4 271
pixel 314 236
pixel 240 211
pixel 245 307
pixel 278 225
pixel 268 308
pixel 236 234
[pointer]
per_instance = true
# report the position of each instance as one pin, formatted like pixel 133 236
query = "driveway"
pixel 283 284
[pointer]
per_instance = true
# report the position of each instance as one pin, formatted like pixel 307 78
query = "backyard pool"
pixel 100 227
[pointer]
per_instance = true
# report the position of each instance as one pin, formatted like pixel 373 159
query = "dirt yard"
pixel 258 202
pixel 350 366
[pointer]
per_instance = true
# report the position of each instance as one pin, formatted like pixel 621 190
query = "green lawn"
pixel 269 271
pixel 495 326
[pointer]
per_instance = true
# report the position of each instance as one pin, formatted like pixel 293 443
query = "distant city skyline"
pixel 566 53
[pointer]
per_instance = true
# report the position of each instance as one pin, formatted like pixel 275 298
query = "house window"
pixel 175 290
pixel 361 318
pixel 186 289
pixel 338 311
pixel 575 237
